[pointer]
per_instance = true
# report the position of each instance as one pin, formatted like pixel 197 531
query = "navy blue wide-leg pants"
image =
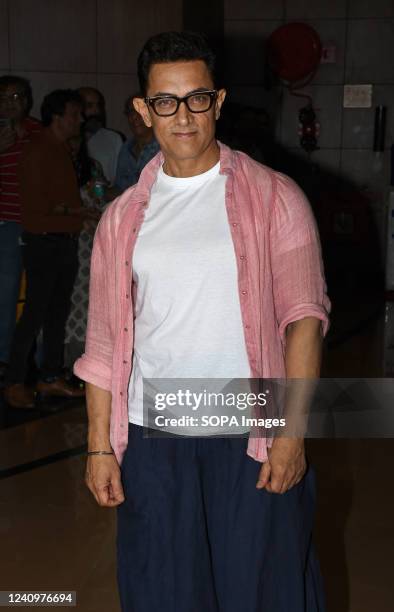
pixel 195 535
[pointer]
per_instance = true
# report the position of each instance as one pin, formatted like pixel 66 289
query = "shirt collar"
pixel 149 173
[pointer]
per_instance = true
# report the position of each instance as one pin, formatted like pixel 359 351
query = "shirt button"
pixel 247 326
pixel 121 393
pixel 244 292
pixel 235 224
pixel 122 425
pixel 134 230
pixel 124 361
pixel 127 263
pixel 242 257
pixel 125 329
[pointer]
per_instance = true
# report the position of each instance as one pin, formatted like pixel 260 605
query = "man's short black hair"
pixel 174 47
pixel 55 103
pixel 10 80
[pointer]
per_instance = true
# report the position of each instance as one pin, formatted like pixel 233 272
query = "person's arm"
pixel 95 367
pixel 102 471
pixel 286 463
pixel 301 307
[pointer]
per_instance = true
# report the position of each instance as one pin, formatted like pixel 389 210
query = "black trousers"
pixel 195 535
pixel 51 264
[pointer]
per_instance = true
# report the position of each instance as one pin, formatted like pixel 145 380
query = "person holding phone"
pixel 16 130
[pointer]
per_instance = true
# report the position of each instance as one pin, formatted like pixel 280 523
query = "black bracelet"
pixel 100 452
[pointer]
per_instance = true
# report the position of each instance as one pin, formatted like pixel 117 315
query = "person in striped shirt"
pixel 16 130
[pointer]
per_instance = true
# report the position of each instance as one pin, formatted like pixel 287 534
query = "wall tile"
pixel 327 99
pixel 367 169
pixel 56 35
pixel 321 169
pixel 358 123
pixel 116 88
pixel 259 97
pixel 369 52
pixel 45 82
pixel 379 223
pixel 4 59
pixel 358 128
pixel 245 43
pixel 366 8
pixel 124 26
pixel 315 9
pixel 254 9
pixel 250 96
pixel 326 159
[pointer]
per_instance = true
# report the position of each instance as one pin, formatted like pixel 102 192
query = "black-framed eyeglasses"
pixel 196 102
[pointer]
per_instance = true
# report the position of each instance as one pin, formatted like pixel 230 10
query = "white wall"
pixel 363 33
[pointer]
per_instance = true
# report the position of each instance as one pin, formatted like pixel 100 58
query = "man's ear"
pixel 219 102
pixel 142 108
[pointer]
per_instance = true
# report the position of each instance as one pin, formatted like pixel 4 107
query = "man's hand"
pixel 103 480
pixel 285 467
pixel 7 138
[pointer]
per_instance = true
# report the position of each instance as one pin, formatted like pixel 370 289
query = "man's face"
pixel 92 106
pixel 185 135
pixel 70 122
pixel 137 125
pixel 13 103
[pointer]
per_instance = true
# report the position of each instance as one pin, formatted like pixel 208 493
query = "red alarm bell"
pixel 294 53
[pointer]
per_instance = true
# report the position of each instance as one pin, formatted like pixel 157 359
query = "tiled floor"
pixel 54 536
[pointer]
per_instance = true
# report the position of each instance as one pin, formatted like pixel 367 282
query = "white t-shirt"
pixel 104 147
pixel 187 311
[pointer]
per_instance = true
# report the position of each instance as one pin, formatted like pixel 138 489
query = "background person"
pixel 52 219
pixel 16 131
pixel 136 151
pixel 92 189
pixel 103 144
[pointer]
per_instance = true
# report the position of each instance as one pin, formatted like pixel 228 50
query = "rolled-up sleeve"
pixel 95 365
pixel 299 285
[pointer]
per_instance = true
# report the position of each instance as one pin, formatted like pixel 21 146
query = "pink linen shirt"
pixel 280 279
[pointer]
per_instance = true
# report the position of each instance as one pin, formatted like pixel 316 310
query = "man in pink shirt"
pixel 208 268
